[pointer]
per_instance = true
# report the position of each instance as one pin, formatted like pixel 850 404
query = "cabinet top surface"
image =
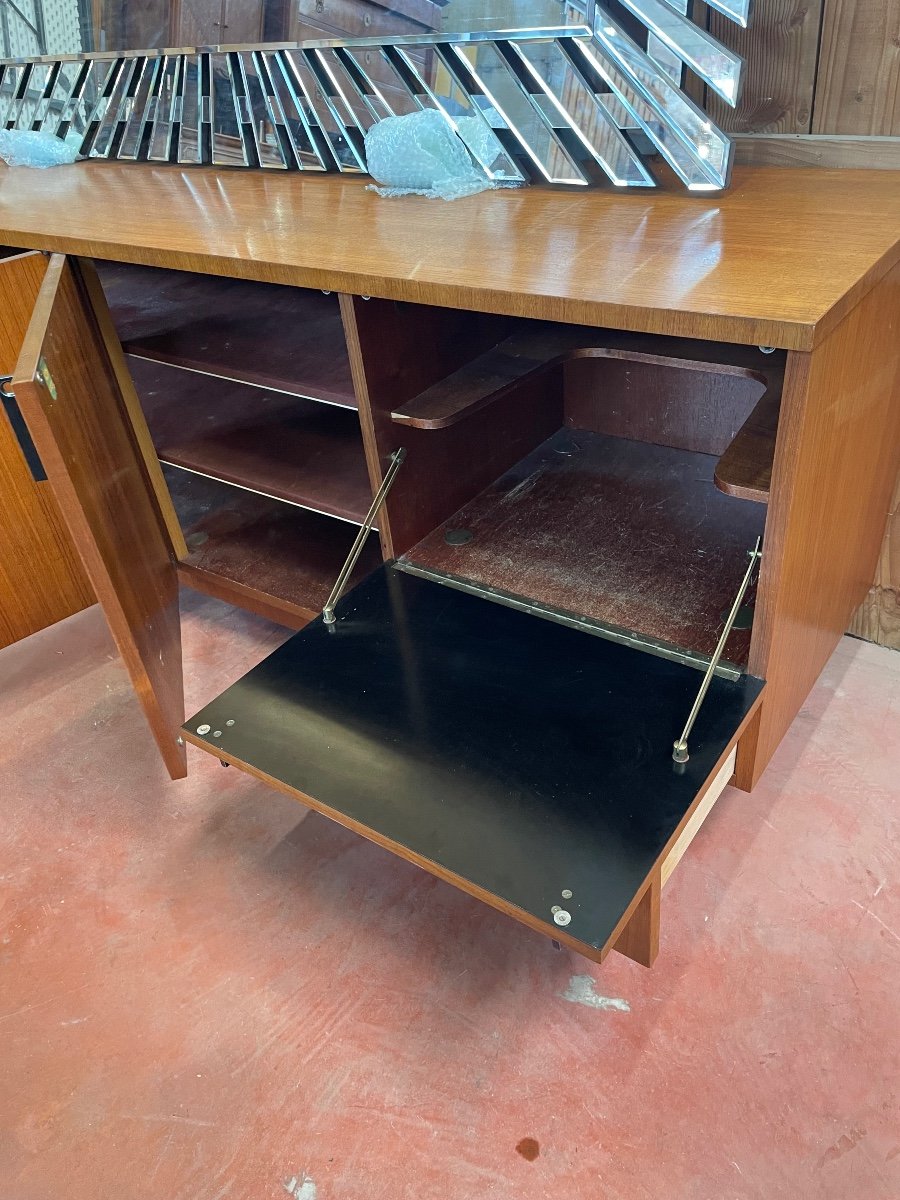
pixel 778 259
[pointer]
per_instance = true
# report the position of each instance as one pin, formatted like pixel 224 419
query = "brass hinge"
pixel 44 377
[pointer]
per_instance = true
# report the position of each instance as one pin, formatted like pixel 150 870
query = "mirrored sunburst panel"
pixel 569 94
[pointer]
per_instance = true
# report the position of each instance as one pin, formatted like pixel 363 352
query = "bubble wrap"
pixel 420 155
pixel 27 148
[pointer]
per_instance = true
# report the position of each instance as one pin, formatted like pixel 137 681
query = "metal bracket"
pixel 356 549
pixel 680 747
pixel 21 431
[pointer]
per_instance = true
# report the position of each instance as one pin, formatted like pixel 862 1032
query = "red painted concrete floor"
pixel 205 993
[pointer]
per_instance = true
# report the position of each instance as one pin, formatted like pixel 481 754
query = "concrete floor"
pixel 205 993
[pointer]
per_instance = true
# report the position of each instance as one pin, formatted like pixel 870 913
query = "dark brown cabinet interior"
pixel 610 480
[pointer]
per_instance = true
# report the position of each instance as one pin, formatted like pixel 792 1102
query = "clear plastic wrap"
pixel 419 154
pixel 28 148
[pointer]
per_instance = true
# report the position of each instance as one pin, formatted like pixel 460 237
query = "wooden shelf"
pixel 538 346
pixel 283 446
pixel 284 338
pixel 633 536
pixel 745 469
pixel 259 554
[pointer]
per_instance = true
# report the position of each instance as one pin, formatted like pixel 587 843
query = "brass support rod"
pixel 680 747
pixel 356 549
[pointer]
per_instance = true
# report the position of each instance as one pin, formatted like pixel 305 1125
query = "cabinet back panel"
pixel 681 407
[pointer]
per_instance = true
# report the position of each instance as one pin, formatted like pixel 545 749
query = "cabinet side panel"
pixel 41 577
pixel 836 460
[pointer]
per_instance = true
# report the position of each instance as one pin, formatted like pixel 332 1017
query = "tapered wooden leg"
pixel 640 937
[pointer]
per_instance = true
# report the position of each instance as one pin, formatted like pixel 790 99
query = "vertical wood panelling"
pixel 858 81
pixel 878 617
pixel 780 50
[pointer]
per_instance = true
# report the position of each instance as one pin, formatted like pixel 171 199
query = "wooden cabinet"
pixel 579 505
pixel 41 577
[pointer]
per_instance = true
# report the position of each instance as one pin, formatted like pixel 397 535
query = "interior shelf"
pixel 284 338
pixel 745 469
pixel 632 536
pixel 283 446
pixel 620 362
pixel 252 551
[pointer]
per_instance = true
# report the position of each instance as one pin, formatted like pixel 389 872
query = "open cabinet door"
pixel 70 393
pixel 41 577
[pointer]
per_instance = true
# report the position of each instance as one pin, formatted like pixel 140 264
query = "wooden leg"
pixel 640 937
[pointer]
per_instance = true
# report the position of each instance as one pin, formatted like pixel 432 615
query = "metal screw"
pixel 217 733
pixel 768 349
pixel 556 908
pixel 203 728
pixel 229 722
pixel 179 741
pixel 458 537
pixel 567 893
pixel 562 917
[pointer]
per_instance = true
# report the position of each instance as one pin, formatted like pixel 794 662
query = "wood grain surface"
pixel 878 617
pixel 858 78
pixel 41 576
pixel 836 462
pixel 283 446
pixel 745 469
pixel 745 266
pixel 259 554
pixel 628 534
pixel 69 395
pixel 285 339
pixel 780 49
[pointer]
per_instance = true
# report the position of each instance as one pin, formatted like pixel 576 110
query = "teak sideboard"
pixel 593 410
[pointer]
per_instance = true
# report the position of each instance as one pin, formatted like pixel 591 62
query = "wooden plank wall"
pixel 822 87
pixel 829 68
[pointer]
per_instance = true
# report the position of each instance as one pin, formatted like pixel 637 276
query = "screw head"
pixel 567 893
pixel 201 729
pixel 556 908
pixel 217 733
pixel 562 917
pixel 229 723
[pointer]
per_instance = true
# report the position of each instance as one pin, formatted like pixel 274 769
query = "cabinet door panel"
pixel 41 578
pixel 69 394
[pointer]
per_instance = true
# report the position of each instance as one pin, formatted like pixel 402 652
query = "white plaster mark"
pixel 301 1188
pixel 581 991
pixel 869 913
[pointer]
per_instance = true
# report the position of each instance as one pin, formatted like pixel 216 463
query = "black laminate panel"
pixel 522 755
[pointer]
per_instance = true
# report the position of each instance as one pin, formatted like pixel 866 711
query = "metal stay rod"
pixel 356 549
pixel 680 748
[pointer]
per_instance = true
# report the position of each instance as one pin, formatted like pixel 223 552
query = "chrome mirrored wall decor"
pixel 565 105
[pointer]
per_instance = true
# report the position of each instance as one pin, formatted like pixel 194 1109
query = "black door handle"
pixel 20 429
